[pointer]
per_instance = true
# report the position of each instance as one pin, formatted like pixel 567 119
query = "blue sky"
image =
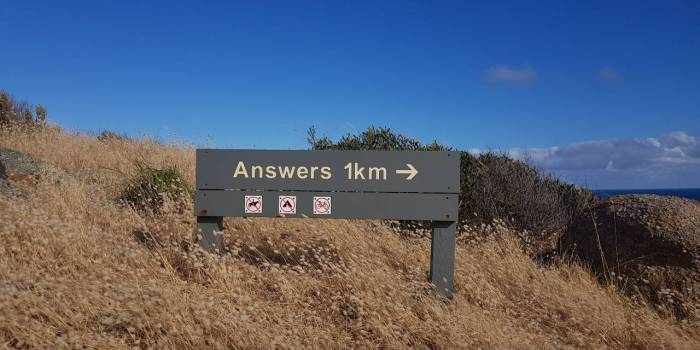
pixel 545 80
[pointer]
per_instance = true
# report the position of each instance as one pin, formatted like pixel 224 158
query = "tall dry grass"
pixel 77 269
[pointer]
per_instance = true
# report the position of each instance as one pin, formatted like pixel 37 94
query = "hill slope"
pixel 77 268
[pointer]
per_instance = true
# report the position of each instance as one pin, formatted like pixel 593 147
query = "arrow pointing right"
pixel 411 171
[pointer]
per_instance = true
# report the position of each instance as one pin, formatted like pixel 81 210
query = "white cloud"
pixel 668 160
pixel 667 149
pixel 678 139
pixel 610 74
pixel 505 74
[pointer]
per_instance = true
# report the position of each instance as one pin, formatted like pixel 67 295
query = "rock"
pixel 16 167
pixel 648 245
pixel 17 163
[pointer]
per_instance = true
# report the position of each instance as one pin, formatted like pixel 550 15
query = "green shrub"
pixel 150 187
pixel 372 139
pixel 493 186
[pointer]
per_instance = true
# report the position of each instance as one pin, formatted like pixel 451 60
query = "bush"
pixel 109 136
pixel 372 139
pixel 539 206
pixel 13 112
pixel 150 188
pixel 493 187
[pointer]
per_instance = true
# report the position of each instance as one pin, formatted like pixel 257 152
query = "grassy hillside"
pixel 78 268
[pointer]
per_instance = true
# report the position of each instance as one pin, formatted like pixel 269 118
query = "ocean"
pixel 692 193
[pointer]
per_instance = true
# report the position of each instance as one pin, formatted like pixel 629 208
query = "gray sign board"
pixel 332 184
pixel 357 171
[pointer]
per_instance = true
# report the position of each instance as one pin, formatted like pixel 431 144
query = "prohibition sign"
pixel 322 205
pixel 288 205
pixel 253 204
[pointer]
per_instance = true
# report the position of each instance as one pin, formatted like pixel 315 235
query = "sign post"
pixel 399 185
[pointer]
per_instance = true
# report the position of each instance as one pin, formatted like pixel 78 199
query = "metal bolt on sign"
pixel 400 185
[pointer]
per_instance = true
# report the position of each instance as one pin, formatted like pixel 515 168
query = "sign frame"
pixel 401 185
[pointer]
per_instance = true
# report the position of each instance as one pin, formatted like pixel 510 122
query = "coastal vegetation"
pixel 97 251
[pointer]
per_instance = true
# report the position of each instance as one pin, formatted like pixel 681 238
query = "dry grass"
pixel 78 269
